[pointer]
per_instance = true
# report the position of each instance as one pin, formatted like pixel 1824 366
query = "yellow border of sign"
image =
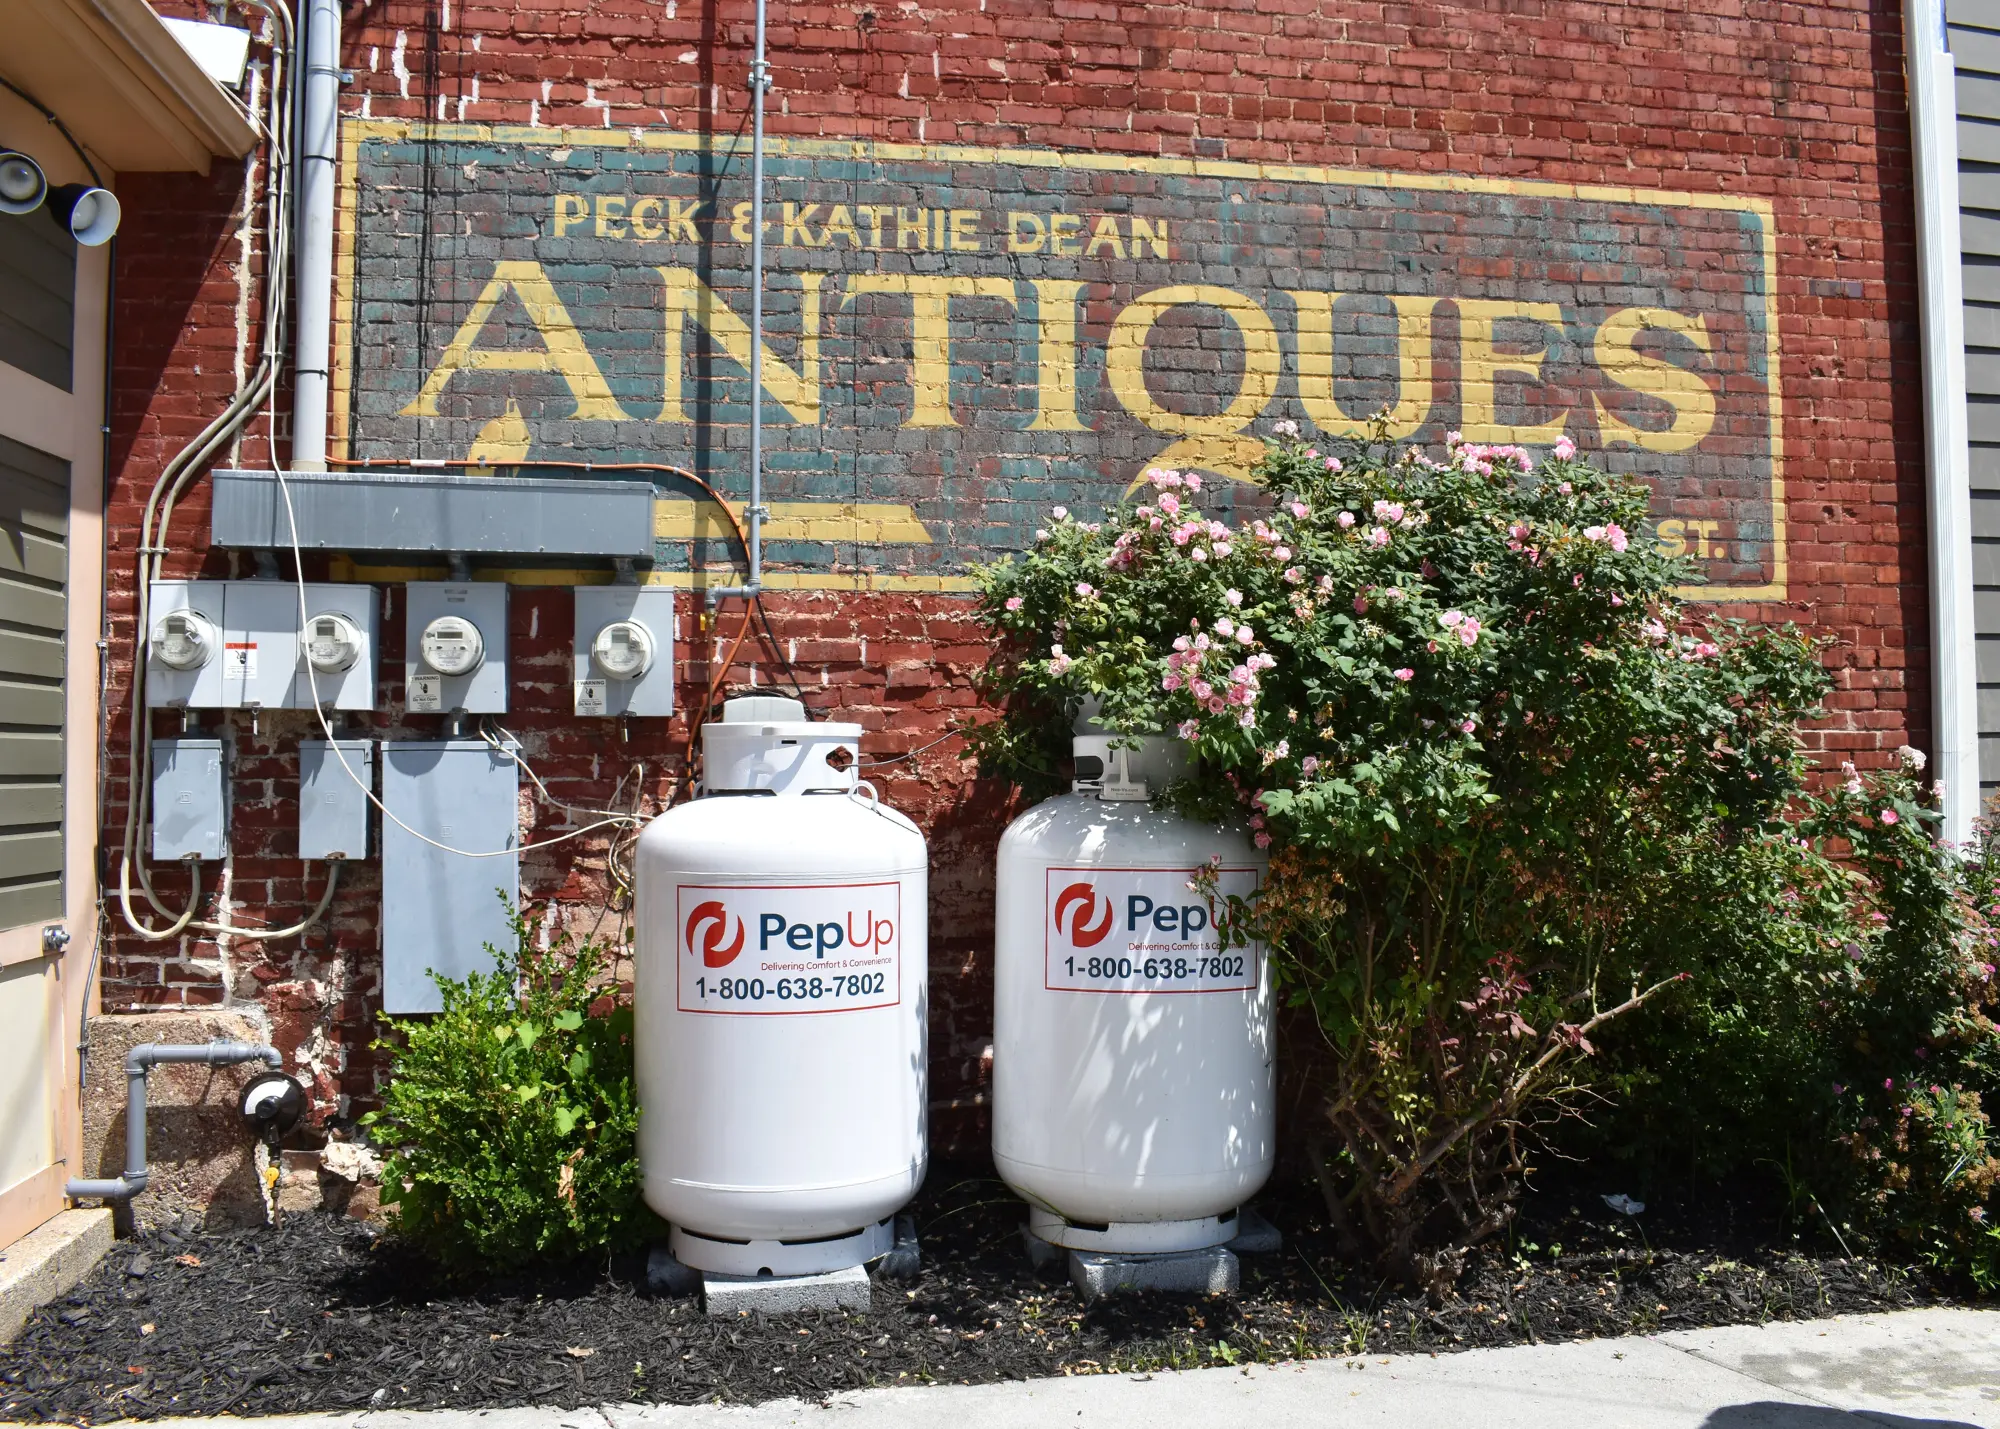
pixel 356 132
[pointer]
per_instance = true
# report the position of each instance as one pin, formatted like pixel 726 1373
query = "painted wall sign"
pixel 958 339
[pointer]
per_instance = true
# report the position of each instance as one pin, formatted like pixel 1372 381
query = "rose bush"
pixel 1460 702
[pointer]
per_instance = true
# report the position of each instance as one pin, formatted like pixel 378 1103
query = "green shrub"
pixel 509 1119
pixel 1458 699
pixel 1838 1024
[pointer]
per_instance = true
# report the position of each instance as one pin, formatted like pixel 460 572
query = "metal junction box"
pixel 436 511
pixel 333 797
pixel 190 799
pixel 617 625
pixel 445 610
pixel 238 645
pixel 440 908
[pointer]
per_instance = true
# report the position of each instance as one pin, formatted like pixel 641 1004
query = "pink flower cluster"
pixel 1611 533
pixel 1473 456
pixel 1217 693
pixel 1465 627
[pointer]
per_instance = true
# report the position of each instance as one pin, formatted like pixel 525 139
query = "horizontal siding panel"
pixel 1976 51
pixel 31 903
pixel 1982 280
pixel 31 606
pixel 1986 468
pixel 1989 758
pixel 32 855
pixel 1978 97
pixel 1978 141
pixel 1982 326
pixel 1983 419
pixel 31 705
pixel 39 657
pixel 1979 233
pixel 1979 189
pixel 32 756
pixel 1988 648
pixel 1976 13
pixel 1982 373
pixel 38 320
pixel 31 553
pixel 30 805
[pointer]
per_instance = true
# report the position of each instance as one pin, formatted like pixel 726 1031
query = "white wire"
pixel 312 679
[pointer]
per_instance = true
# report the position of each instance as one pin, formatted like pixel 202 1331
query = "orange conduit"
pixel 721 673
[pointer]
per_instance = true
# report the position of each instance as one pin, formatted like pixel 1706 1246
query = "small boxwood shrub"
pixel 509 1119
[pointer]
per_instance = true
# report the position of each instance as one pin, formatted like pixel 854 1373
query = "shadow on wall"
pixel 1772 1415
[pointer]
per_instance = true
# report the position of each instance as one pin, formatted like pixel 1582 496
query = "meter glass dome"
pixel 183 640
pixel 452 645
pixel 623 650
pixel 332 643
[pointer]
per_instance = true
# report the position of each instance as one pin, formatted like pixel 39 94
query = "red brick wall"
pixel 1799 104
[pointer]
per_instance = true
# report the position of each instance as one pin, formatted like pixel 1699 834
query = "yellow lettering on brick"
pixel 642 220
pixel 1105 235
pixel 964 238
pixel 571 209
pixel 1055 367
pixel 610 216
pixel 1413 365
pixel 1063 228
pixel 1146 232
pixel 563 352
pixel 1026 232
pixel 930 332
pixel 681 214
pixel 796 390
pixel 1213 443
pixel 1480 364
pixel 1689 401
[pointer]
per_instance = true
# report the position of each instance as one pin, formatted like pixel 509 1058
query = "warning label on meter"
pixel 772 951
pixel 1143 930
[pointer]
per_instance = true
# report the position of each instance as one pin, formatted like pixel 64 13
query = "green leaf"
pixel 568 1021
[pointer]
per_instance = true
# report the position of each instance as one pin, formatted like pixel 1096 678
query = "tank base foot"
pixel 727 1296
pixel 1256 1236
pixel 1213 1271
pixel 715 1255
pixel 905 1259
pixel 1133 1237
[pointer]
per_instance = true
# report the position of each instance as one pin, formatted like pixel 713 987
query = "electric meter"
pixel 183 640
pixel 451 645
pixel 332 643
pixel 623 650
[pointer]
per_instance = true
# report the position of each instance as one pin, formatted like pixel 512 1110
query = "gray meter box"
pixel 484 690
pixel 600 692
pixel 436 511
pixel 190 799
pixel 259 660
pixel 441 906
pixel 333 800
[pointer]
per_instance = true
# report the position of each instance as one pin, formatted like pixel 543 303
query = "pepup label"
pixel 1132 930
pixel 790 949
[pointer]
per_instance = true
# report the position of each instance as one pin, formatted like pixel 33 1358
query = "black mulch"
pixel 321 1314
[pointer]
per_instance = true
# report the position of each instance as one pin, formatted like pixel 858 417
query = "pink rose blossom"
pixel 1377 537
pixel 1192 482
pixel 1013 602
pixel 1262 840
pixel 1890 817
pixel 1346 519
pixel 1085 590
pixel 1565 448
pixel 1406 674
pixel 1170 503
pixel 1299 509
pixel 1234 597
pixel 1466 726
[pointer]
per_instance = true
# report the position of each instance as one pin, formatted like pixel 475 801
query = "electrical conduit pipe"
pixel 319 145
pixel 138 1062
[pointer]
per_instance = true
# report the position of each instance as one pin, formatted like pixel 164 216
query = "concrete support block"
pixel 1214 1271
pixel 201 1158
pixel 1256 1236
pixel 733 1295
pixel 47 1261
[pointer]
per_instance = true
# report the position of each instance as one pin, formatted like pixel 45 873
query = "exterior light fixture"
pixel 22 183
pixel 90 214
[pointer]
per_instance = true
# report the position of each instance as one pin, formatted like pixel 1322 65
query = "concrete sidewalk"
pixel 1928 1368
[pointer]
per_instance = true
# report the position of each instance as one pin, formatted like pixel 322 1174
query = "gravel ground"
pixel 323 1314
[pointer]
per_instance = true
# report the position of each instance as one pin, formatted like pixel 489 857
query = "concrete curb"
pixel 47 1261
pixel 1915 1369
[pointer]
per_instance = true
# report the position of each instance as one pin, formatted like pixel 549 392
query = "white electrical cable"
pixel 184 466
pixel 292 528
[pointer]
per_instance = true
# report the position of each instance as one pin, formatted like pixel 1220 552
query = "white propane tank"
pixel 780 995
pixel 1133 1086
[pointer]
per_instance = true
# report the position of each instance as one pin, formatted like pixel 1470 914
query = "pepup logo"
pixel 712 919
pixel 1081 932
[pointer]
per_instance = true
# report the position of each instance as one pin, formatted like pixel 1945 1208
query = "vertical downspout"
pixel 319 146
pixel 760 81
pixel 1947 460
